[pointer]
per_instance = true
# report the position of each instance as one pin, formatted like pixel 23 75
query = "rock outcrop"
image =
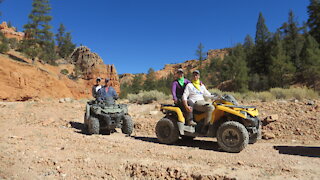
pixel 11 32
pixel 217 53
pixel 92 66
pixel 188 65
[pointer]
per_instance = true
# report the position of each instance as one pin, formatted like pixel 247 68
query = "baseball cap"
pixel 107 80
pixel 179 70
pixel 196 71
pixel 98 79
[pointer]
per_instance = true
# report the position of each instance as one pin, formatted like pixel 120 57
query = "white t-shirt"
pixel 193 94
pixel 98 87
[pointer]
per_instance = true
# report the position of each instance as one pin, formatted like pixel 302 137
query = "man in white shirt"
pixel 96 87
pixel 194 94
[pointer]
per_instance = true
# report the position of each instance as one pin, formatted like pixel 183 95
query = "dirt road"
pixel 44 140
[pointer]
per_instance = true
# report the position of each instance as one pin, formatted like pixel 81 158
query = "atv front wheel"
pixel 232 136
pixel 93 125
pixel 167 131
pixel 127 125
pixel 254 137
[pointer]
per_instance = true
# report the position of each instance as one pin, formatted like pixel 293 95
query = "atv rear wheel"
pixel 167 131
pixel 232 136
pixel 127 125
pixel 93 125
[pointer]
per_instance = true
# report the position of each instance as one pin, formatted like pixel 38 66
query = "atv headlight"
pixel 244 113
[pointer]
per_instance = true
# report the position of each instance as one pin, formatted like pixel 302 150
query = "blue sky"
pixel 136 35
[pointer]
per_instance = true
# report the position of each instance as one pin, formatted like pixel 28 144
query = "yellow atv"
pixel 234 126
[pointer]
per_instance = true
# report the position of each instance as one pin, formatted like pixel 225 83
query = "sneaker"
pixel 191 123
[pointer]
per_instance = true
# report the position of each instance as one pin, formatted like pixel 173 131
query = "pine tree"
pixel 314 19
pixel 310 57
pixel 136 85
pixel 281 70
pixel 149 83
pixel 235 68
pixel 4 43
pixel 200 53
pixel 0 12
pixel 260 60
pixel 64 41
pixel 249 46
pixel 39 39
pixel 293 41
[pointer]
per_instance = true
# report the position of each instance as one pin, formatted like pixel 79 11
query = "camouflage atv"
pixel 106 116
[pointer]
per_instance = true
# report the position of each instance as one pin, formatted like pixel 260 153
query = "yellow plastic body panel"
pixel 177 110
pixel 218 112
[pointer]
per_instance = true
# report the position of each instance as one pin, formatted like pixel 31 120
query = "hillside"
pixel 21 79
pixel 186 65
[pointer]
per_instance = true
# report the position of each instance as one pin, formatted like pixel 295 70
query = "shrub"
pixel 145 97
pixel 13 42
pixel 64 71
pixel 264 96
pixel 4 47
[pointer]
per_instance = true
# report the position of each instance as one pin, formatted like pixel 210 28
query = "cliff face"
pixel 92 66
pixel 21 79
pixel 11 32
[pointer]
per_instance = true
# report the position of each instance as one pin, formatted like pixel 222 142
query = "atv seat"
pixel 166 105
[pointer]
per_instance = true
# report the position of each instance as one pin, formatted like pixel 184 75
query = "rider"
pixel 107 92
pixel 177 90
pixel 96 87
pixel 194 93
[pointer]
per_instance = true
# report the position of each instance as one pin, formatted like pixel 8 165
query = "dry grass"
pixel 272 94
pixel 145 97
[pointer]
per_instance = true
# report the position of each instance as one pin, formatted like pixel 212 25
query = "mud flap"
pixel 87 111
pixel 183 128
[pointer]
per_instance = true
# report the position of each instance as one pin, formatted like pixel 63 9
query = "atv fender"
pixel 178 111
pixel 231 111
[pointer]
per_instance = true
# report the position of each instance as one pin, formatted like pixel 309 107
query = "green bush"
pixel 13 42
pixel 4 47
pixel 145 97
pixel 64 71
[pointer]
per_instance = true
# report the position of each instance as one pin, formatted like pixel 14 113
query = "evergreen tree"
pixel 234 68
pixel 39 39
pixel 293 41
pixel 249 46
pixel 200 53
pixel 64 41
pixel 4 43
pixel 260 60
pixel 281 70
pixel 0 12
pixel 136 84
pixel 310 57
pixel 314 19
pixel 239 69
pixel 149 83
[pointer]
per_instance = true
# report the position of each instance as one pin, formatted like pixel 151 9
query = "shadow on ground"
pixel 201 144
pixel 299 150
pixel 79 127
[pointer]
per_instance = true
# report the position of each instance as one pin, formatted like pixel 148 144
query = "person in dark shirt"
pixel 107 92
pixel 177 90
